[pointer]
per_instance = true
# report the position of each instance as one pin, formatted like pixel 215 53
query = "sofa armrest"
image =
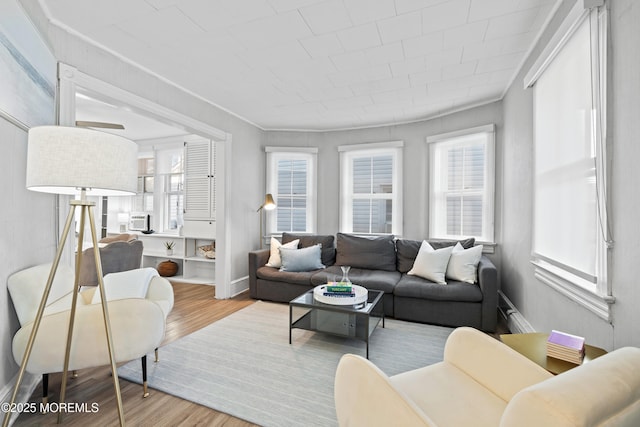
pixel 364 396
pixel 257 259
pixel 605 391
pixel 491 363
pixel 489 285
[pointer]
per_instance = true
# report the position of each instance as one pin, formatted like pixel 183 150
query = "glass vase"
pixel 345 274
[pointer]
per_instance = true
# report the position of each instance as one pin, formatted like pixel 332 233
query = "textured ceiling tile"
pixel 484 9
pixel 400 27
pixel 288 5
pixel 445 15
pixel 385 53
pixel 326 16
pixel 360 37
pixel 272 30
pixel 404 6
pixel 350 60
pixel 511 24
pixel 323 45
pixel 419 46
pixel 274 62
pixel 365 11
pixel 162 26
pixel 377 86
pixel 408 66
pixel 497 63
pixel 464 34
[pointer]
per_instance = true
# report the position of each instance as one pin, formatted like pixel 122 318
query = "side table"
pixel 534 347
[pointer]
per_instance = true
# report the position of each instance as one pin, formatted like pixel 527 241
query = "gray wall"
pixel 543 307
pixel 415 174
pixel 27 234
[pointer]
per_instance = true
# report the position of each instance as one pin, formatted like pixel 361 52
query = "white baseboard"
pixel 516 322
pixel 240 285
pixel 28 385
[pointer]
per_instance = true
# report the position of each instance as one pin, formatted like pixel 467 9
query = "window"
pixel 291 180
pixel 143 201
pixel 571 233
pixel 461 190
pixel 370 188
pixel 171 175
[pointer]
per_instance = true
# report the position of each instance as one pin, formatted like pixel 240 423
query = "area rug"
pixel 244 366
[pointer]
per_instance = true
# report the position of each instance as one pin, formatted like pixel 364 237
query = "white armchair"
pixel 483 382
pixel 137 324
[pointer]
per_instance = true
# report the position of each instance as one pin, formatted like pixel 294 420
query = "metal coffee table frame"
pixel 350 321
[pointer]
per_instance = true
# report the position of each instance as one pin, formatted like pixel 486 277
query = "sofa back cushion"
pixel 328 254
pixel 371 252
pixel 408 250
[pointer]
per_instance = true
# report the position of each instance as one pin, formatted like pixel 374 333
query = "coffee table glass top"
pixel 358 321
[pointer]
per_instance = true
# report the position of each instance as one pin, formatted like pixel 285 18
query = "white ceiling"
pixel 320 64
pixel 137 127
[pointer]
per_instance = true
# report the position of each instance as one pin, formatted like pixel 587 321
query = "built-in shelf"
pixel 192 267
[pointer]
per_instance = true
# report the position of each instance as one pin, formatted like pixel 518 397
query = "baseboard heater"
pixel 515 321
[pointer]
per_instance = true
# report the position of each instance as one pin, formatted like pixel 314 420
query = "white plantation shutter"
pixel 461 184
pixel 372 188
pixel 199 202
pixel 291 199
pixel 291 180
pixel 370 191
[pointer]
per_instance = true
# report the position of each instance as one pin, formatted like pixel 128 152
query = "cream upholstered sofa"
pixel 482 382
pixel 137 323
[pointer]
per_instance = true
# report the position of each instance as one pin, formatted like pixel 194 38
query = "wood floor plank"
pixel 195 307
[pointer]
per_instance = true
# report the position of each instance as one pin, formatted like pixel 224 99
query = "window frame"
pixel 347 154
pixel 275 154
pixel 435 142
pixel 597 298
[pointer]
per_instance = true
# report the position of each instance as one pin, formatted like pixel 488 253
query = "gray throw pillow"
pixel 305 259
pixel 370 252
pixel 328 256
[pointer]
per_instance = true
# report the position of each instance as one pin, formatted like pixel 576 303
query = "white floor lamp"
pixel 66 160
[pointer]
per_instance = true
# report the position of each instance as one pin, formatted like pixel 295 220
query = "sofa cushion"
pixel 407 250
pixel 416 287
pixel 305 259
pixel 370 252
pixel 275 275
pixel 328 249
pixel 371 279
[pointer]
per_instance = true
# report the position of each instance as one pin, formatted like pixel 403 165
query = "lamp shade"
pixel 63 160
pixel 269 204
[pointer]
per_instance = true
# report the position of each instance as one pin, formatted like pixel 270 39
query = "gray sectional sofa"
pixel 382 263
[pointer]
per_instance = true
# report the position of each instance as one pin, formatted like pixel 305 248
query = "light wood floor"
pixel 195 307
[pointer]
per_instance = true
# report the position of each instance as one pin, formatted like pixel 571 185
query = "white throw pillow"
pixel 274 258
pixel 431 264
pixel 463 265
pixel 126 284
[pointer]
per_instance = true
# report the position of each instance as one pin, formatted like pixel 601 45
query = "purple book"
pixel 566 340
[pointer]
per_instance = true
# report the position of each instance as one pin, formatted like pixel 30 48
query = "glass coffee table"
pixel 352 321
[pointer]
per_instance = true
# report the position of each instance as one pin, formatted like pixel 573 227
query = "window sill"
pixel 568 285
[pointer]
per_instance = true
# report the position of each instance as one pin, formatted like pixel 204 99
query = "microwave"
pixel 139 222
